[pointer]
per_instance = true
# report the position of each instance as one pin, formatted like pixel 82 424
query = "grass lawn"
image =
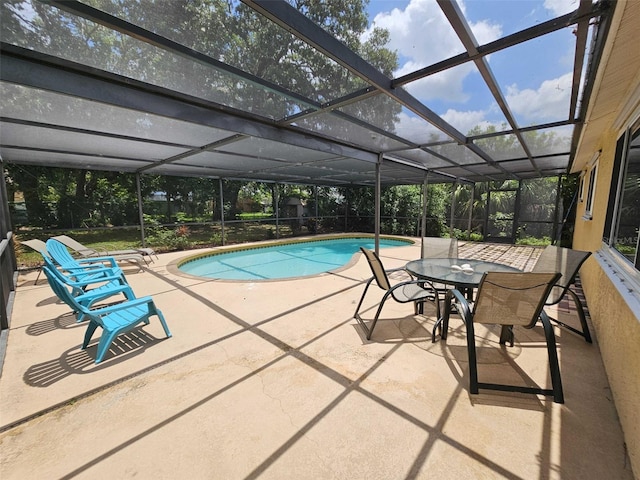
pixel 179 238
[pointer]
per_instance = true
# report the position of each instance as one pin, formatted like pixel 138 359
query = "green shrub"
pixel 217 239
pixel 534 242
pixel 170 238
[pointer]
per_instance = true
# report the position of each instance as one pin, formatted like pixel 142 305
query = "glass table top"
pixel 462 272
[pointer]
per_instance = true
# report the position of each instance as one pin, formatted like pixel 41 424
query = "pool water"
pixel 284 260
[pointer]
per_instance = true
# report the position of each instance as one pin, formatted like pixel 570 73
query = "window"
pixel 591 188
pixel 623 219
pixel 583 179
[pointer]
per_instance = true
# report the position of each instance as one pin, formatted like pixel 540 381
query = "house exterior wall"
pixel 616 325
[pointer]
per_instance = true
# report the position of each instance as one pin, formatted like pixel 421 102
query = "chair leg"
pixel 103 345
pixel 473 362
pixel 583 320
pixel 554 366
pixel 418 308
pixel 91 328
pixel 375 319
pixel 506 335
pixel 357 316
pixel 438 326
pixel 162 321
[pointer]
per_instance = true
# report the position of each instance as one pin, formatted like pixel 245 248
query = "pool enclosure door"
pixel 501 215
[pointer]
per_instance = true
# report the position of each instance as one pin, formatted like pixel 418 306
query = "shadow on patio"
pixel 276 380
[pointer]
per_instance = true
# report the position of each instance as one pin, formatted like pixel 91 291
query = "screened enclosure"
pixel 300 93
pixel 281 91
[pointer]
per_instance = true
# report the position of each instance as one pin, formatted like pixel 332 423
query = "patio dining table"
pixel 465 274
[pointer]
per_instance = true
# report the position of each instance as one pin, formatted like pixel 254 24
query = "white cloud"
pixel 464 121
pixel 416 129
pixel 420 33
pixel 447 85
pixel 420 131
pixel 422 36
pixel 549 102
pixel 561 7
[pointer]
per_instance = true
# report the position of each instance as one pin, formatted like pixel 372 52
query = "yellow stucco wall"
pixel 616 326
pixel 588 233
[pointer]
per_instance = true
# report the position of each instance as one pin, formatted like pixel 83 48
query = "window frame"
pixel 616 194
pixel 592 174
pixel 623 273
pixel 581 182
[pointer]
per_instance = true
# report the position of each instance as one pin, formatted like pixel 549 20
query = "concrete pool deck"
pixel 275 380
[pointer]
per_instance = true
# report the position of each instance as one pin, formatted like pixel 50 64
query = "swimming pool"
pixel 282 260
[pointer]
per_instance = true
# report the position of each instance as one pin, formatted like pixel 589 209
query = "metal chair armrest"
pixel 463 308
pixel 98 260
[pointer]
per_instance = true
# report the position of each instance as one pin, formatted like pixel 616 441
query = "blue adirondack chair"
pixel 81 269
pixel 108 287
pixel 81 283
pixel 114 320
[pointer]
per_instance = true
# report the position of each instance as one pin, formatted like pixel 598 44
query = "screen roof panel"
pixel 60 140
pixel 66 160
pixel 536 77
pixel 270 55
pixel 86 42
pixel 333 126
pixel 36 105
pixel 159 80
pixel 228 161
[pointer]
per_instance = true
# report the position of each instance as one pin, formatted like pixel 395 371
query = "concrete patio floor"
pixel 275 380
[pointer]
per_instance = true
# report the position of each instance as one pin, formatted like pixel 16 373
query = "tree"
pixel 29 181
pixel 227 31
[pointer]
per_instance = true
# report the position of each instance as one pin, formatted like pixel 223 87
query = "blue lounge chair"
pixel 114 320
pixel 81 269
pixel 80 283
pixel 108 287
pixel 40 247
pixel 131 255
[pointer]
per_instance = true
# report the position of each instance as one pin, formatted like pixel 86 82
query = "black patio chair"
pixel 508 299
pixel 438 247
pixel 403 292
pixel 568 263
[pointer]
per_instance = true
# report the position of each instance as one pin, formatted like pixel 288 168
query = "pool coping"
pixel 173 267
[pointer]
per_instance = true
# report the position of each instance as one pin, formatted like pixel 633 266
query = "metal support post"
pixel 221 211
pixel 140 211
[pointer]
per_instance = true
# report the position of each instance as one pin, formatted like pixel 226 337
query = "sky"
pixel 535 76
